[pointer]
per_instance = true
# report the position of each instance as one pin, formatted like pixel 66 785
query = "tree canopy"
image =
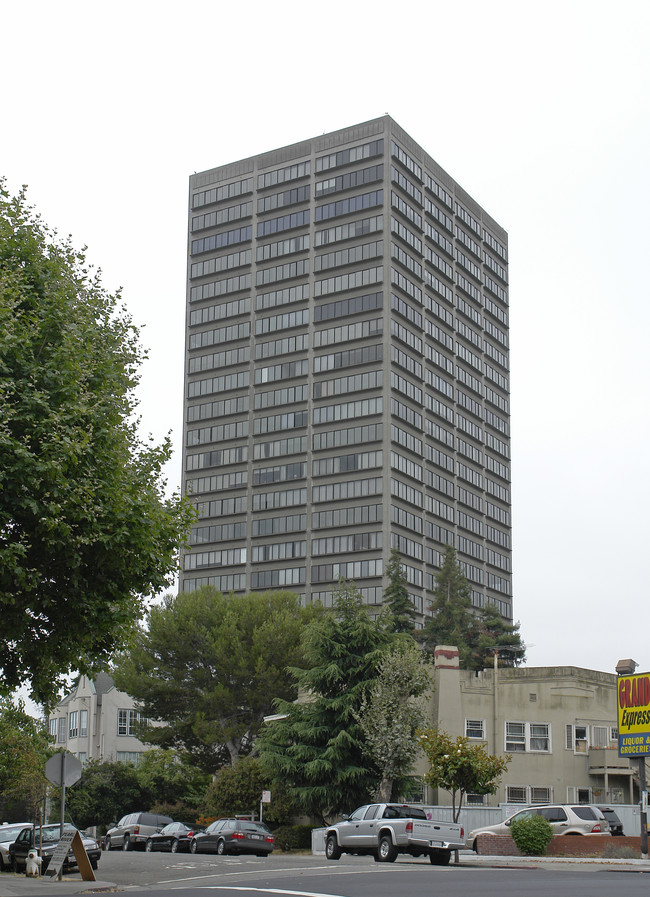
pixel 494 633
pixel 476 632
pixel 210 665
pixel 390 712
pixel 316 748
pixel 238 790
pixel 25 747
pixel 396 596
pixel 452 621
pixel 85 529
pixel 460 767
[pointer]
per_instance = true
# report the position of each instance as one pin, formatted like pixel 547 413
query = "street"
pixel 313 876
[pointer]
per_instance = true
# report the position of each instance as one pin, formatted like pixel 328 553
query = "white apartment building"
pixel 96 721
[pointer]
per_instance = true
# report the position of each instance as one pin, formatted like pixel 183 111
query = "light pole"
pixel 495 702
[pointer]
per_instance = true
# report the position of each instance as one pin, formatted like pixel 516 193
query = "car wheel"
pixel 174 846
pixel 387 850
pixel 107 842
pixel 332 849
pixel 193 847
pixel 94 864
pixel 149 845
pixel 126 844
pixel 439 857
pixel 221 847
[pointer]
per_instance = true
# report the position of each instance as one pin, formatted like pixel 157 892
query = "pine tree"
pixel 453 622
pixel 316 747
pixel 475 632
pixel 494 632
pixel 396 596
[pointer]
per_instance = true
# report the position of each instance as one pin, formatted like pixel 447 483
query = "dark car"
pixel 615 824
pixel 234 836
pixel 133 830
pixel 29 838
pixel 175 837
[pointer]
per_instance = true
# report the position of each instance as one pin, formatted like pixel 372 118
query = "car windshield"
pixel 50 834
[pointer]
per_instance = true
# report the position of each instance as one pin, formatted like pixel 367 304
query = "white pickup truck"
pixel 385 830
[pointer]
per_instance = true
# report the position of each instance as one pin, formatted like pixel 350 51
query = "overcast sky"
pixel 539 111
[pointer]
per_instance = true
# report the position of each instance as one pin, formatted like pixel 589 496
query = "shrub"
pixel 532 836
pixel 293 837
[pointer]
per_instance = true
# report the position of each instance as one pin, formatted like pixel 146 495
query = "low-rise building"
pixel 96 721
pixel 559 725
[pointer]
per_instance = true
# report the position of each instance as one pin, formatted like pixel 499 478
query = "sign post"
pixel 65 769
pixel 266 799
pixel 634 731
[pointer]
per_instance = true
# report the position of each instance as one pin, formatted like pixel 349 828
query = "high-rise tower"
pixel 346 381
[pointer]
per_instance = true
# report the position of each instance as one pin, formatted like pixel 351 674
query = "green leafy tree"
pixel 460 767
pixel 390 712
pixel 396 595
pixel 172 785
pixel 105 792
pixel 210 666
pixel 85 530
pixel 452 621
pixel 25 747
pixel 317 746
pixel 238 789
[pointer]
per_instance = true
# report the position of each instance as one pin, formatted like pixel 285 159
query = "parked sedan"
pixel 234 836
pixel 174 837
pixel 29 838
pixel 8 834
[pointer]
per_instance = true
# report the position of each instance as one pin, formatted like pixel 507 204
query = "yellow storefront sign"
pixel 634 715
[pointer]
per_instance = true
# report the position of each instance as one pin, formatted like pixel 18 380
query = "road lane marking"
pixel 255 871
pixel 274 891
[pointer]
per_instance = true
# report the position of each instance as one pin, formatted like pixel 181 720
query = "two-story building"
pixel 559 725
pixel 96 721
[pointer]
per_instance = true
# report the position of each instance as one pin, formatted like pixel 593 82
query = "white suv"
pixel 565 819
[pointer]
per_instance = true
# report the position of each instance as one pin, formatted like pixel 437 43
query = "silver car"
pixel 565 819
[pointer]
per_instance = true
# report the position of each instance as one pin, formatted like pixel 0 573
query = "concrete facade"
pixel 346 378
pixel 559 724
pixel 96 722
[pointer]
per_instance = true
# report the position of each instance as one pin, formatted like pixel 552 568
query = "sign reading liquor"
pixel 634 715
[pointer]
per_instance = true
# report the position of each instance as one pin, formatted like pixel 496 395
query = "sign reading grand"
pixel 634 715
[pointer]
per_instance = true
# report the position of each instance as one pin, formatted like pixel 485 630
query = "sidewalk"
pixel 14 884
pixel 473 859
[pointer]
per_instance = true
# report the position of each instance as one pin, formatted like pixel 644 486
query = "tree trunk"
pixel 385 790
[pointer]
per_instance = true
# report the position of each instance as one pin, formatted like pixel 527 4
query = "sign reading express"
pixel 634 715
